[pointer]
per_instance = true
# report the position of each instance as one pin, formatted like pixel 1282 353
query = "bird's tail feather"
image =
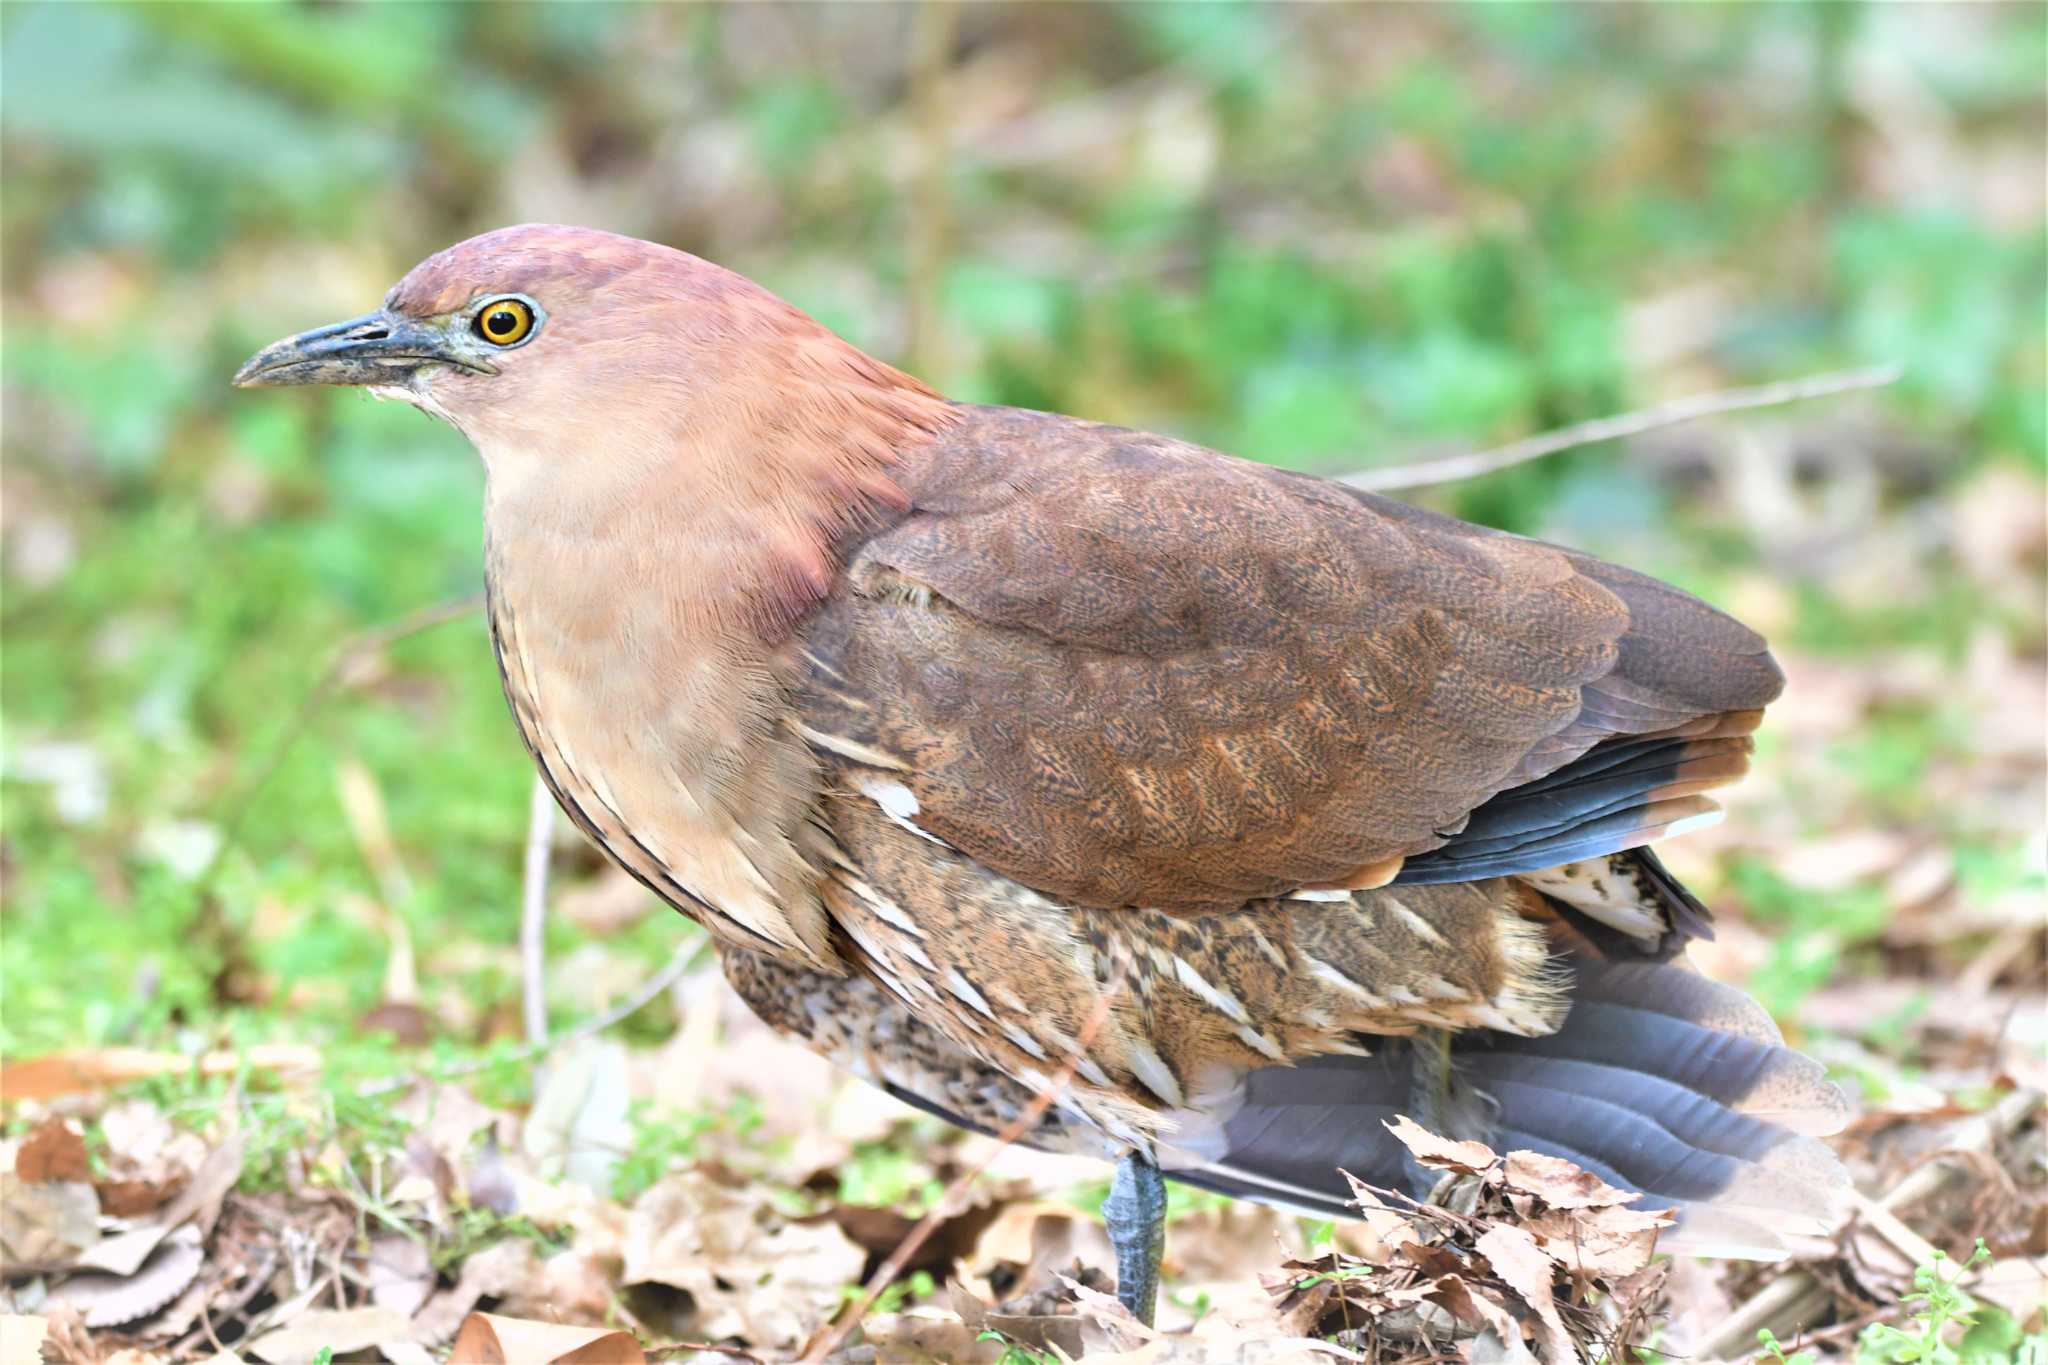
pixel 1660 1081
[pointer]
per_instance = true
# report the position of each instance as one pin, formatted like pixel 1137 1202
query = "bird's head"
pixel 601 376
pixel 543 326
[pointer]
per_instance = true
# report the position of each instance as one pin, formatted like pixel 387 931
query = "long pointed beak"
pixel 377 348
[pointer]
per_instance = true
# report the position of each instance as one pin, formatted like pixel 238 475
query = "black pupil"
pixel 501 321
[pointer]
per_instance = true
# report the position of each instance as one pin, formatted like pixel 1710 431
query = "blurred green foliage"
pixel 1324 236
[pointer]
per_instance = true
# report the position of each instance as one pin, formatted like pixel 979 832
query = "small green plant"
pixel 1776 1352
pixel 662 1137
pixel 919 1284
pixel 1013 1354
pixel 1990 1337
pixel 472 1229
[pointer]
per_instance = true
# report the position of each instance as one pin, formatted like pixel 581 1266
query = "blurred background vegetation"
pixel 1327 236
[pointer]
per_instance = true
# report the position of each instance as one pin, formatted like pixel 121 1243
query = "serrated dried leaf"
pixel 1559 1183
pixel 341 1329
pixel 1475 1305
pixel 487 1339
pixel 1610 1242
pixel 124 1254
pixel 113 1300
pixel 1528 1270
pixel 1439 1153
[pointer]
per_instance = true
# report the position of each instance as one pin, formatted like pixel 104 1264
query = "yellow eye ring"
pixel 504 322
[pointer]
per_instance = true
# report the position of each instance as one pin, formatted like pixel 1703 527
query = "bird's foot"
pixel 1135 1217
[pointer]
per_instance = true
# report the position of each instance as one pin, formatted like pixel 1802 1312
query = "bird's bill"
pixel 380 348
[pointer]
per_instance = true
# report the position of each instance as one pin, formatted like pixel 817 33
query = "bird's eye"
pixel 504 322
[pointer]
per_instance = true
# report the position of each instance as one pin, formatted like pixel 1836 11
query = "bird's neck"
pixel 648 598
pixel 734 515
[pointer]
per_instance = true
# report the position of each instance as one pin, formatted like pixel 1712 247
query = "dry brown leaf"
pixel 1559 1183
pixel 401 1274
pixel 1437 1153
pixel 2019 1285
pixel 497 1270
pixel 53 1151
pixel 569 1286
pixel 578 1125
pixel 753 1273
pixel 487 1339
pixel 1613 1242
pixel 1525 1268
pixel 1108 1312
pixel 200 1200
pixel 46 1224
pixel 343 1329
pixel 112 1300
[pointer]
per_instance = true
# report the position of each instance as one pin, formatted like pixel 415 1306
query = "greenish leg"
pixel 1135 1216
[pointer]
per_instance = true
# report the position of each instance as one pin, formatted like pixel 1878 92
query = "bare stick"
pixel 671 972
pixel 1679 410
pixel 367 644
pixel 533 912
pixel 948 1203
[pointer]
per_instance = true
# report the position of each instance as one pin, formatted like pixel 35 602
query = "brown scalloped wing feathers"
pixel 1125 670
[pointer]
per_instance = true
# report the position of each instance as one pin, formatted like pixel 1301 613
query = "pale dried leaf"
pixel 111 1300
pixel 1438 1153
pixel 343 1329
pixel 200 1200
pixel 1525 1268
pixel 569 1286
pixel 753 1273
pixel 46 1223
pixel 1559 1183
pixel 578 1126
pixel 401 1274
pixel 2018 1284
pixel 1610 1242
pixel 487 1339
pixel 22 1335
pixel 123 1254
pixel 1108 1311
pixel 495 1271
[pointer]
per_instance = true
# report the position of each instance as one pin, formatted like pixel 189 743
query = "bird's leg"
pixel 1441 1109
pixel 1135 1216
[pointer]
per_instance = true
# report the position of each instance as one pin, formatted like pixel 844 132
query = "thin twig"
pixel 667 975
pixel 948 1202
pixel 1679 410
pixel 363 645
pixel 670 973
pixel 533 912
